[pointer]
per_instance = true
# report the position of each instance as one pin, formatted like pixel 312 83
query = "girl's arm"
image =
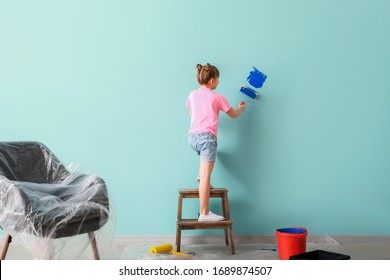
pixel 234 113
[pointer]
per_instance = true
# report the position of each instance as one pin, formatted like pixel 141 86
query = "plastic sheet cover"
pixel 264 248
pixel 52 208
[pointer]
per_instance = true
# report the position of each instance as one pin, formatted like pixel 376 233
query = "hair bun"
pixel 206 72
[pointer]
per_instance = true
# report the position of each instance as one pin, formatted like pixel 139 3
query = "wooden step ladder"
pixel 193 224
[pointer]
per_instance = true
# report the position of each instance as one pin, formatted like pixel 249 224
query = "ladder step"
pixel 194 193
pixel 195 224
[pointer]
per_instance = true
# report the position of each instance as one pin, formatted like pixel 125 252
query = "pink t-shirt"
pixel 205 106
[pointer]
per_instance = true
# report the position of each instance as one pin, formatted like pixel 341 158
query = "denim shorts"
pixel 205 144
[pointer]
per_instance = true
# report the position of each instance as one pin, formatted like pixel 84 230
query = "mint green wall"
pixel 103 83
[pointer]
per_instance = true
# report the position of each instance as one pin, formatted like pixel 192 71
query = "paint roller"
pixel 167 248
pixel 163 248
pixel 248 91
pixel 244 102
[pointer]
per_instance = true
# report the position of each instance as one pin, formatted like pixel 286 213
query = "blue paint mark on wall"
pixel 256 78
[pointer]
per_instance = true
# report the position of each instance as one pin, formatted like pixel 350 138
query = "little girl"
pixel 204 105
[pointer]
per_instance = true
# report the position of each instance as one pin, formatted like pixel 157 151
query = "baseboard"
pixel 238 239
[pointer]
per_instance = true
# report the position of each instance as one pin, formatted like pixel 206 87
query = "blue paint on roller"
pixel 256 78
pixel 248 91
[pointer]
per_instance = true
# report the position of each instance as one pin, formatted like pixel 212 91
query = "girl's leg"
pixel 205 170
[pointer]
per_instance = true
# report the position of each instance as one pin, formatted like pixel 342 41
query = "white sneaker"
pixel 198 180
pixel 211 217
